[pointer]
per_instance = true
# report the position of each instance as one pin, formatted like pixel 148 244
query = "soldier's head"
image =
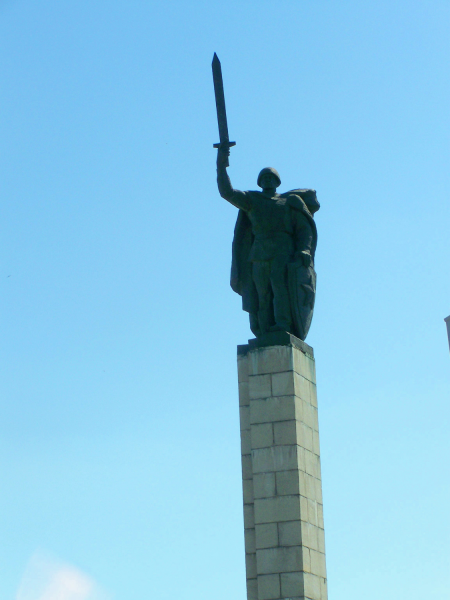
pixel 269 179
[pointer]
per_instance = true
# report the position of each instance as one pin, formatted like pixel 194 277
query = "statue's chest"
pixel 270 214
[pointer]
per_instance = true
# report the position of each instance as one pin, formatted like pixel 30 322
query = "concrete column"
pixel 283 512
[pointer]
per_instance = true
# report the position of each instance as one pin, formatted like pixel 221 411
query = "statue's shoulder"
pixel 254 193
pixel 301 198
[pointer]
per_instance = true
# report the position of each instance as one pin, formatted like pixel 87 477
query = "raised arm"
pixel 235 197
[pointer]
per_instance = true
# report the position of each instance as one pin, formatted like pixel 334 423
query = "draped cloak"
pixel 301 278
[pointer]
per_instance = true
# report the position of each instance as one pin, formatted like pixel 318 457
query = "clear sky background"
pixel 119 417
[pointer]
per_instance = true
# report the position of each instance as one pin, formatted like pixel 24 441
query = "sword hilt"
pixel 229 144
pixel 220 143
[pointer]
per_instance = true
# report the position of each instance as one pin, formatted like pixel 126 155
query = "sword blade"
pixel 220 101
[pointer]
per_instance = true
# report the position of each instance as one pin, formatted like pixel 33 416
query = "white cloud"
pixel 47 578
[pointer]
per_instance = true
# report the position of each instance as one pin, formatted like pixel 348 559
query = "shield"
pixel 302 293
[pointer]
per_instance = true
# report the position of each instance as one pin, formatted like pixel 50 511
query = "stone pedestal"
pixel 283 516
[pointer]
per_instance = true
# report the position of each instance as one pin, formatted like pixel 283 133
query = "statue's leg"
pixel 261 277
pixel 281 301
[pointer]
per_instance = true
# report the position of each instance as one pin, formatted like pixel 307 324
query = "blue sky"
pixel 119 424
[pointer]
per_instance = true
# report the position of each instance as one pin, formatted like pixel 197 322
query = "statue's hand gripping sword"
pixel 220 104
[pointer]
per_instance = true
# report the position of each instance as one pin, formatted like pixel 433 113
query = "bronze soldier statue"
pixel 274 244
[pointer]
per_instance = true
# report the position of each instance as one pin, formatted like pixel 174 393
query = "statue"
pixel 274 243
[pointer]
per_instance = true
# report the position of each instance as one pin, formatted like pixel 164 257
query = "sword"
pixel 220 104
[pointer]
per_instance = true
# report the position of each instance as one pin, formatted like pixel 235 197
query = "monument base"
pixel 283 511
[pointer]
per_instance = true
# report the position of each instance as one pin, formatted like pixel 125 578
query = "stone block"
pixel 261 435
pixel 292 585
pixel 275 409
pixel 247 488
pixel 293 432
pixel 312 586
pixel 250 566
pixel 309 489
pixel 306 559
pixel 315 414
pixel 320 516
pixel 306 436
pixel 266 536
pixel 310 535
pixel 246 442
pixel 285 433
pixel 244 398
pixel 259 386
pixel 289 383
pixel 301 458
pixel 276 458
pixel 283 384
pixel 313 394
pixel 312 464
pixel 316 444
pixel 302 483
pixel 268 587
pixel 318 484
pixel 288 482
pixel 244 417
pixel 279 560
pixel 304 509
pixel 270 360
pixel 304 365
pixel 290 533
pixel 249 537
pixel 247 472
pixel 321 540
pixel 312 516
pixel 252 589
pixel 307 413
pixel 249 516
pixel 264 485
pixel 278 509
pixel 242 364
pixel 323 589
pixel 318 563
pixel 302 388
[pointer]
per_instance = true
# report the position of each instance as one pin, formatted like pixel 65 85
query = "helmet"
pixel 268 170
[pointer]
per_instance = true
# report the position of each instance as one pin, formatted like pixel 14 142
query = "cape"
pixel 241 280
